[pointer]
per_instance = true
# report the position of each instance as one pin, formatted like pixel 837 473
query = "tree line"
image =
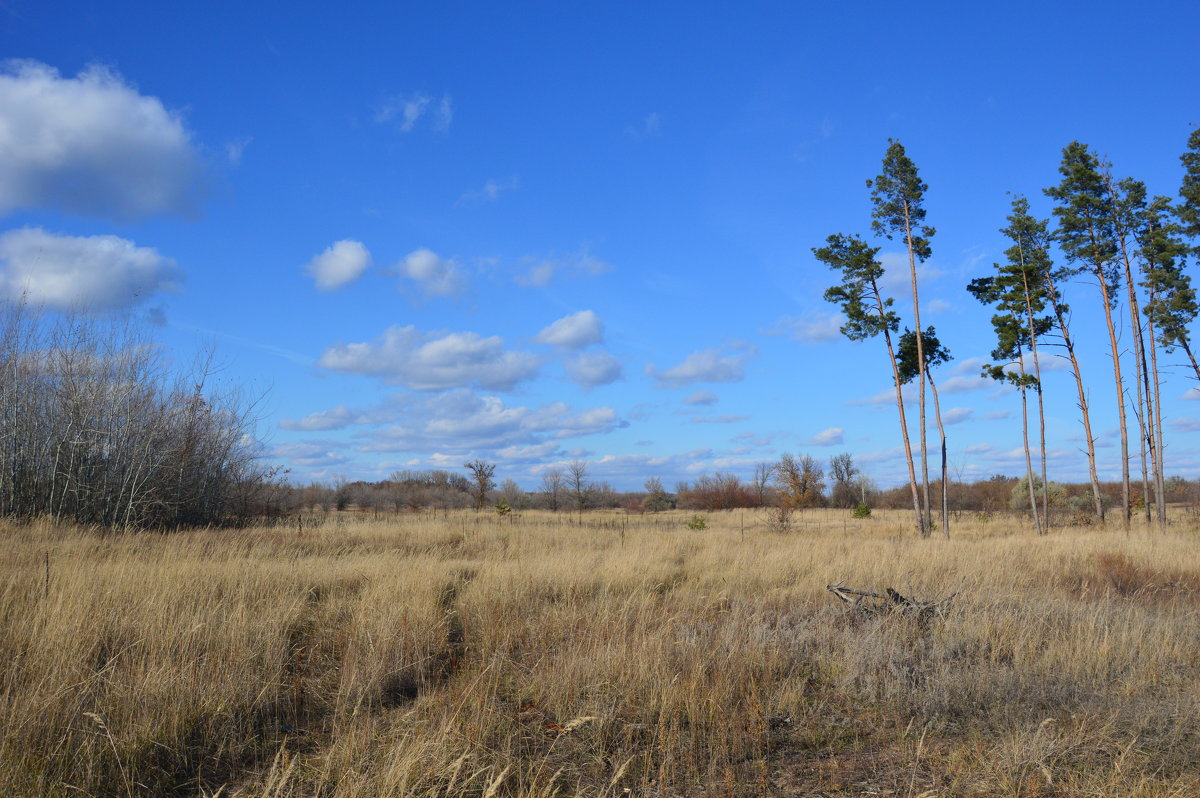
pixel 1108 231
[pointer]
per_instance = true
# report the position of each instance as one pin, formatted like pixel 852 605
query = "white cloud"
pixel 979 448
pixel 830 437
pixel 461 421
pixel 339 417
pixel 1191 394
pixel 897 276
pixel 574 331
pixel 965 384
pixel 726 419
pixel 938 306
pixel 957 415
pixel 342 263
pixel 700 398
pixel 592 369
pixel 490 191
pixel 309 455
pixel 91 145
pixel 705 365
pixel 998 414
pixel 90 272
pixel 1185 424
pixel 433 361
pixel 814 328
pixel 435 275
pixel 540 273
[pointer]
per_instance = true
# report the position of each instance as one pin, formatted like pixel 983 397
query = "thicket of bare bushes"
pixel 96 427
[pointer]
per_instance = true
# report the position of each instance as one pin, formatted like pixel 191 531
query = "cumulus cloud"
pixel 830 437
pixel 461 421
pixel 574 331
pixel 91 145
pixel 697 398
pixel 339 417
pixel 592 369
pixel 342 263
pixel 433 361
pixel 90 272
pixel 813 328
pixel 957 415
pixel 540 273
pixel 706 365
pixel 433 274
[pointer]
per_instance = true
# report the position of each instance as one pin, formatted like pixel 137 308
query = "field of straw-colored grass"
pixel 539 655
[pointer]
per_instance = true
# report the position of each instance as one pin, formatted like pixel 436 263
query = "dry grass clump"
pixel 469 655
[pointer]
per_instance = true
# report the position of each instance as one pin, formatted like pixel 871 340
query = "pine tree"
pixel 1189 192
pixel 1170 308
pixel 935 355
pixel 1019 297
pixel 1086 236
pixel 898 197
pixel 868 314
pixel 1128 199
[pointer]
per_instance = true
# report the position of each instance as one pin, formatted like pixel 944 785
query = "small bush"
pixel 697 522
pixel 503 508
pixel 861 510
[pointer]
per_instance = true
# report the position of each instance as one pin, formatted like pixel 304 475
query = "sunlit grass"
pixel 457 654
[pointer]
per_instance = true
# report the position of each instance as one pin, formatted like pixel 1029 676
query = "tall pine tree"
pixel 1086 235
pixel 898 198
pixel 868 314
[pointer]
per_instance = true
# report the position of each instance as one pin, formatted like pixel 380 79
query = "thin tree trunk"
pixel 926 525
pixel 1037 521
pixel 1120 386
pixel 1145 402
pixel 912 475
pixel 1160 488
pixel 1037 371
pixel 1064 328
pixel 937 411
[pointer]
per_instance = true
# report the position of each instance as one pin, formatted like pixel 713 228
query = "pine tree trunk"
pixel 1160 488
pixel 1037 371
pixel 1145 401
pixel 908 456
pixel 926 525
pixel 1064 328
pixel 1037 522
pixel 1106 298
pixel 937 411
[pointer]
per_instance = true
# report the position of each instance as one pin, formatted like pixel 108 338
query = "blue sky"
pixel 539 232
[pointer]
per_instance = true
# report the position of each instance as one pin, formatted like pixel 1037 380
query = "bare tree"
pixel 482 475
pixel 577 483
pixel 552 485
pixel 763 472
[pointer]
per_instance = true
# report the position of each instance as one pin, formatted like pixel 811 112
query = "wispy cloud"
pixel 831 437
pixel 405 111
pixel 490 191
pixel 574 331
pixel 816 327
pixel 542 272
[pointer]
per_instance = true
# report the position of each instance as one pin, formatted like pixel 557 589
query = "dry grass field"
pixel 538 655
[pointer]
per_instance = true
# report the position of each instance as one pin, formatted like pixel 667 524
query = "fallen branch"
pixel 892 602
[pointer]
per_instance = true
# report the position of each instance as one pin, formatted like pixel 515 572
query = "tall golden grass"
pixel 456 654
